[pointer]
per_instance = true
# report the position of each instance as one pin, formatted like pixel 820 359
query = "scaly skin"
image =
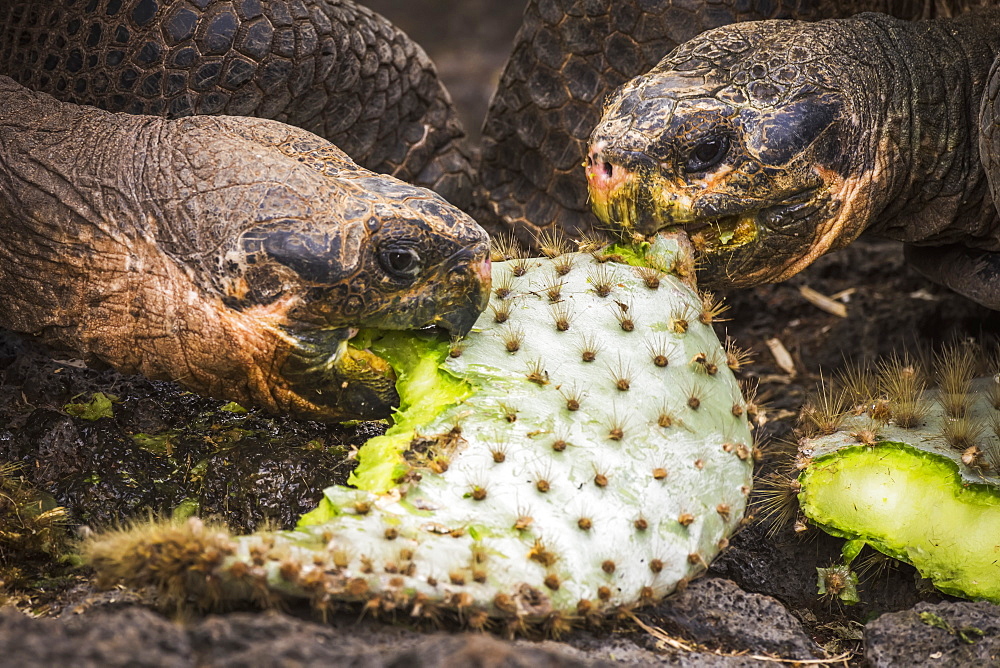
pixel 329 66
pixel 341 71
pixel 794 138
pixel 156 247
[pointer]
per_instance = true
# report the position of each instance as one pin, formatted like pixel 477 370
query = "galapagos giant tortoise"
pixel 237 256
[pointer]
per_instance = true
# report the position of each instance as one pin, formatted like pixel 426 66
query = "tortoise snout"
pixel 603 175
pixel 472 281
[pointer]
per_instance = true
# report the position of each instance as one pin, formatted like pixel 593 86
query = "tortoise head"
pixel 744 139
pixel 380 255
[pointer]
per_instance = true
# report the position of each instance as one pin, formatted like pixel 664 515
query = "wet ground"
pixel 759 598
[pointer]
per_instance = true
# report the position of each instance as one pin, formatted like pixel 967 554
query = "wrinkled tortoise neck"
pixel 921 146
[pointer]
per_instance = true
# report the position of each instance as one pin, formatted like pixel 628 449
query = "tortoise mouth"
pixel 339 372
pixel 335 372
pixel 780 222
pixel 715 235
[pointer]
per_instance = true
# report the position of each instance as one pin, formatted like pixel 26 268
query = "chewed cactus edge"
pixel 914 473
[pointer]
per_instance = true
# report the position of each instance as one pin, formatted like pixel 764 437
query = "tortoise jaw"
pixel 715 235
pixel 340 381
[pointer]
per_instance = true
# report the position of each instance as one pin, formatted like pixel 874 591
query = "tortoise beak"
pixel 459 320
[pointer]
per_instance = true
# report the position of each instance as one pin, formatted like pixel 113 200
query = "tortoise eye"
pixel 707 154
pixel 400 261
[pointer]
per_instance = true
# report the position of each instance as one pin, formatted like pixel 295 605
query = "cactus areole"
pixel 586 448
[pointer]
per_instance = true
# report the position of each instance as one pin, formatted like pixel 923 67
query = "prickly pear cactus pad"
pixel 585 448
pixel 926 494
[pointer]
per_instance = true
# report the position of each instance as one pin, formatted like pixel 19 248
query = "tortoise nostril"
pixel 608 169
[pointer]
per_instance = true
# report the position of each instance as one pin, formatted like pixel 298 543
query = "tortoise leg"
pixel 968 271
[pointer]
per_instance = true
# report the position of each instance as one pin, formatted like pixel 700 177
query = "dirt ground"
pixel 758 598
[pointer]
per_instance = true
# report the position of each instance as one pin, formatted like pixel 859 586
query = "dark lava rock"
pixel 717 613
pixel 784 565
pixel 130 637
pixel 160 446
pixel 971 636
pixel 116 634
pixel 255 482
pixel 137 637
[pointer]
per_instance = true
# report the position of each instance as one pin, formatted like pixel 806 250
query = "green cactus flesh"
pixel 589 452
pixel 912 497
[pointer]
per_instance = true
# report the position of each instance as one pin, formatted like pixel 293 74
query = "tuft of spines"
pixel 559 443
pixel 501 310
pixel 624 316
pixel 590 242
pixel 512 338
pixel 680 319
pixel 869 432
pixel 504 286
pixel 552 243
pixel 659 350
pixel 825 409
pixel 665 417
pixel 498 451
pixel 837 583
pixel 622 374
pixel 562 315
pixel 519 267
pixel 536 372
pixel 737 357
pixel 707 363
pixel 711 308
pixel 616 425
pixel 504 247
pixel 650 276
pixel 574 397
pixel 901 382
pixel 955 366
pixel 872 565
pixel 508 411
pixel 694 394
pixel 553 288
pixel 962 432
pixel 601 280
pixel 859 384
pixel 564 264
pixel 590 346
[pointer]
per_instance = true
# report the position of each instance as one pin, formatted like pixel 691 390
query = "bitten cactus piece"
pixel 578 453
pixel 926 494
